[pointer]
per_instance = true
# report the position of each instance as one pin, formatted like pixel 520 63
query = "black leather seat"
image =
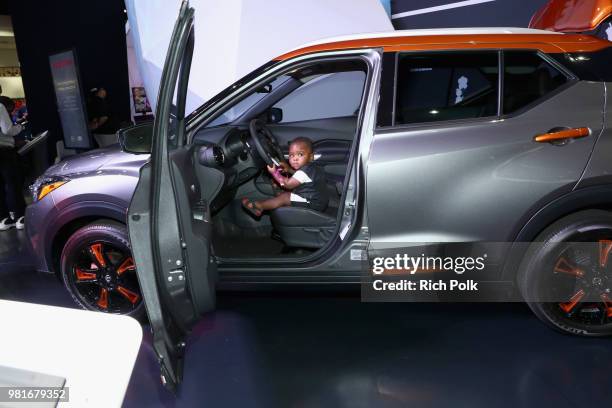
pixel 304 228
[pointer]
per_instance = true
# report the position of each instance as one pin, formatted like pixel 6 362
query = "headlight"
pixel 45 184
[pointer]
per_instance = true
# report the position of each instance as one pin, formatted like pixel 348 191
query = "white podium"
pixel 91 353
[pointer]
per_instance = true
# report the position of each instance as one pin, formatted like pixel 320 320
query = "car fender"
pixel 592 197
pixel 60 221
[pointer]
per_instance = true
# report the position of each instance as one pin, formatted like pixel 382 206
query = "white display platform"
pixel 94 352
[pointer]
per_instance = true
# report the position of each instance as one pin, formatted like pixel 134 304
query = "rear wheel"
pixel 566 275
pixel 99 272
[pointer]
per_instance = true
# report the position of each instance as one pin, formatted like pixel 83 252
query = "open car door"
pixel 169 222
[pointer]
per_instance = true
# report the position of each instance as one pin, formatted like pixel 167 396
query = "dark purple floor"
pixel 309 351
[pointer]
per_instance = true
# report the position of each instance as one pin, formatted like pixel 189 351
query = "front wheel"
pixel 98 270
pixel 566 275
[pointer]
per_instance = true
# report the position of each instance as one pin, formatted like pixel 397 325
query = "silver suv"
pixel 483 138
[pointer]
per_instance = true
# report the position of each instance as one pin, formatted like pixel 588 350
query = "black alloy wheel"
pixel 566 277
pixel 99 272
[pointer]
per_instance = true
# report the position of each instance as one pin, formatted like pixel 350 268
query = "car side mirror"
pixel 275 115
pixel 136 139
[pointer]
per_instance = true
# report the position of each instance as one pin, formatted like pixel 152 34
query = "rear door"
pixel 168 220
pixel 455 166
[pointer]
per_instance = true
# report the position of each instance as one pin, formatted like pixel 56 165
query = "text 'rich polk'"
pixel 427 285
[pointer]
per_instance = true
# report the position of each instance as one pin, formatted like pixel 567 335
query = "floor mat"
pixel 239 247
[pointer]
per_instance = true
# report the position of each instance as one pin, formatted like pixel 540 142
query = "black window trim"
pixel 393 102
pixel 500 86
pixel 394 125
pixel 572 80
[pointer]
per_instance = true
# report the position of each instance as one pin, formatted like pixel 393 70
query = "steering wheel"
pixel 265 143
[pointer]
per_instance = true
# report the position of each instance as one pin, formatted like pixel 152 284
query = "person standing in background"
pixel 99 114
pixel 12 203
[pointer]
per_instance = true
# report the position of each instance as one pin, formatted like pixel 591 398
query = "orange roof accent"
pixel 571 15
pixel 550 43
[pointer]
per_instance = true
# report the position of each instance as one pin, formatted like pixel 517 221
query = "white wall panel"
pixel 235 36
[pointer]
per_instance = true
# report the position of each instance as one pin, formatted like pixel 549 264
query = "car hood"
pixel 99 159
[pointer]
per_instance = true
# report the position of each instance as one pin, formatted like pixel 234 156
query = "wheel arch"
pixel 588 198
pixel 72 220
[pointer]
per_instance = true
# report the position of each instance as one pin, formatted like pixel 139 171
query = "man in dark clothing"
pixel 99 113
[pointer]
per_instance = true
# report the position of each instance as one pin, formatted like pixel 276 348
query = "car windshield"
pixel 238 109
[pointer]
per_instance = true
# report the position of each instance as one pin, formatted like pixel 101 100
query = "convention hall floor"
pixel 311 351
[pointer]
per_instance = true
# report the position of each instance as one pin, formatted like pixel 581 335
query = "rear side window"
pixel 527 78
pixel 446 86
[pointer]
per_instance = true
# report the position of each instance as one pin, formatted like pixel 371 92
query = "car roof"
pixel 572 16
pixel 457 38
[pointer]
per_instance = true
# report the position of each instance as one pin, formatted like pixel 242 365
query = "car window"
pixel 238 109
pixel 446 86
pixel 324 96
pixel 527 78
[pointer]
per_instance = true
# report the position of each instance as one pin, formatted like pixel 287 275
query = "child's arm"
pixel 286 167
pixel 288 183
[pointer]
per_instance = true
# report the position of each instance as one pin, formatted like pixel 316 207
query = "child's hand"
pixel 275 172
pixel 285 166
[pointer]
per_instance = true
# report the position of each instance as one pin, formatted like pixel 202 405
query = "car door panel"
pixel 477 180
pixel 169 221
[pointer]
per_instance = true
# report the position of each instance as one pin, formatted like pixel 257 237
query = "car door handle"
pixel 562 135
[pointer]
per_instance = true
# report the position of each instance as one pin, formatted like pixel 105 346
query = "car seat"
pixel 301 227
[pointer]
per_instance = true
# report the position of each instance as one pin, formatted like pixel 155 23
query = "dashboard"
pixel 225 155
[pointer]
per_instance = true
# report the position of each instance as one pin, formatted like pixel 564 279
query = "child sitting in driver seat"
pixel 306 185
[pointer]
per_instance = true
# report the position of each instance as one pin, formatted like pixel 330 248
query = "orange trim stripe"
pixel 604 250
pixel 103 300
pixel 96 250
pixel 563 266
pixel 128 294
pixel 127 265
pixel 84 276
pixel 549 43
pixel 608 304
pixel 568 306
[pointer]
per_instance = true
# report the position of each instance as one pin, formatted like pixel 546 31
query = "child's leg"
pixel 281 200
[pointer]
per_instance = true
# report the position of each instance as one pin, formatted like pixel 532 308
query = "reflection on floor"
pixel 297 350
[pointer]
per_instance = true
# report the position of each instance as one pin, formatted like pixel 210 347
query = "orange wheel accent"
pixel 608 304
pixel 96 250
pixel 604 250
pixel 84 276
pixel 127 265
pixel 103 301
pixel 563 266
pixel 569 306
pixel 129 295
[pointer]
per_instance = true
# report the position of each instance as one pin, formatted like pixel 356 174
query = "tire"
pixel 568 257
pixel 98 270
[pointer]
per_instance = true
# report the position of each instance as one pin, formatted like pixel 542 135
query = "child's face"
pixel 299 155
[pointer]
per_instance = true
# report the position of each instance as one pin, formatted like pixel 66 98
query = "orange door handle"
pixel 560 134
